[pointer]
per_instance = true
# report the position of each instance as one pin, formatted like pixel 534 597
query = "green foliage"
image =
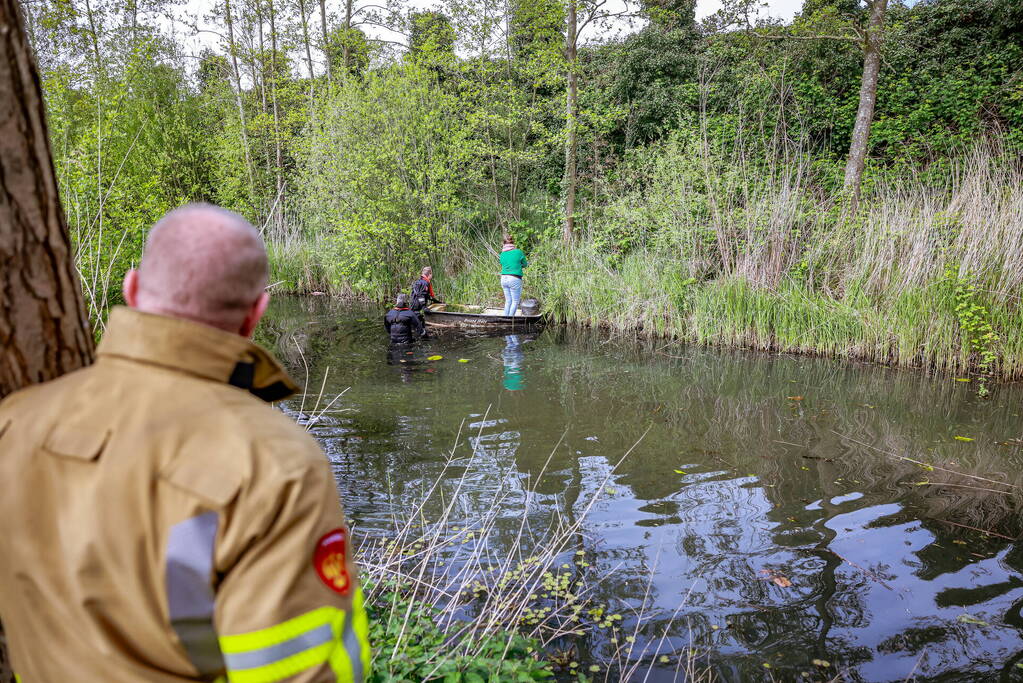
pixel 407 641
pixel 710 201
pixel 394 199
pixel 974 325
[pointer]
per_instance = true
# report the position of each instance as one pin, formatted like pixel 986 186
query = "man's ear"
pixel 254 315
pixel 130 288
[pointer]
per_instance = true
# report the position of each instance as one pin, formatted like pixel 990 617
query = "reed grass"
pixel 449 595
pixel 782 269
pixel 493 577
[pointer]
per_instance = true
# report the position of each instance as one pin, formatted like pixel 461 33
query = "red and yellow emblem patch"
pixel 331 561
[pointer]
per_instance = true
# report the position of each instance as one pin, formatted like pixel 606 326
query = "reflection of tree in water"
pixel 836 435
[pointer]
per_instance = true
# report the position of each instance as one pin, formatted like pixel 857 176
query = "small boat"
pixel 450 315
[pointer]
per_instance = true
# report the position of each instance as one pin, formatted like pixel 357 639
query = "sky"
pixel 197 9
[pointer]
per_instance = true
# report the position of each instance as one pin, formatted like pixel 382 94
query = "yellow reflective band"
pixel 325 636
pixel 292 628
pixel 361 624
pixel 351 662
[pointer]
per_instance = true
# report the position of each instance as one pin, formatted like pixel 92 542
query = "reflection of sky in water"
pixel 733 484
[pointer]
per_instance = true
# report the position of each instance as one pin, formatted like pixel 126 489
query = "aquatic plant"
pixel 522 611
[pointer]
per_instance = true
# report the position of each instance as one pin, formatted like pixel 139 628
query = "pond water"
pixel 772 510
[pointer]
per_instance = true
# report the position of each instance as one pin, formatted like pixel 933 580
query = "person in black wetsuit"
pixel 422 291
pixel 402 324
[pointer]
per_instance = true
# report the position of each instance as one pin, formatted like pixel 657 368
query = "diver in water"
pixel 402 324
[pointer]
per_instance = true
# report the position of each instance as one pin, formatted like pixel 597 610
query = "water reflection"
pixel 846 480
pixel 513 359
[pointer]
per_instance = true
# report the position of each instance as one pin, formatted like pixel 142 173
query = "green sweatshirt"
pixel 512 262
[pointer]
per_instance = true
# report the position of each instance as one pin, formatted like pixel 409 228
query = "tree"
pixel 44 328
pixel 872 39
pixel 578 15
pixel 571 115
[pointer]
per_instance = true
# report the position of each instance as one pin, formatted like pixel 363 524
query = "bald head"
pixel 204 264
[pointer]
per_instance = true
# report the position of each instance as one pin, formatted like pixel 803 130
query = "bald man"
pixel 160 522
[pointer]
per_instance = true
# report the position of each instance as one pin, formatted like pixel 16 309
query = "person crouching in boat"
pixel 512 263
pixel 402 324
pixel 422 291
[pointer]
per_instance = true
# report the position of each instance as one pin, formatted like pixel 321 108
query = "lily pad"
pixel 969 619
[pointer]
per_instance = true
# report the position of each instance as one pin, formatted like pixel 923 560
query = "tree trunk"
pixel 308 48
pixel 347 48
pixel 868 97
pixel 232 48
pixel 571 122
pixel 277 117
pixel 323 26
pixel 44 328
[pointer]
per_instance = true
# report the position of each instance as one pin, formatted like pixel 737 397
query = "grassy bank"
pixel 928 274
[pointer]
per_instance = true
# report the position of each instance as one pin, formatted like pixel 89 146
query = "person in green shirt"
pixel 512 263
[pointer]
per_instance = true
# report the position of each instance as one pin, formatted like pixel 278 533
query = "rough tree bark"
pixel 571 120
pixel 44 327
pixel 868 97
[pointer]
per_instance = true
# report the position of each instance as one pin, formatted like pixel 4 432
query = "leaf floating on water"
pixel 434 357
pixel 821 663
pixel 463 360
pixel 778 579
pixel 611 491
pixel 679 471
pixel 969 619
pixel 962 438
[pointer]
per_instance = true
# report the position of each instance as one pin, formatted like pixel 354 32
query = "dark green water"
pixel 748 467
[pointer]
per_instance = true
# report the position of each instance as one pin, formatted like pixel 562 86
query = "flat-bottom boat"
pixel 449 315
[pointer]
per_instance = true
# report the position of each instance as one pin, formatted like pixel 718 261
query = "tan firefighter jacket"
pixel 159 522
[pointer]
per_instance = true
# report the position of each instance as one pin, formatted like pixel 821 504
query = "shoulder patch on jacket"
pixel 216 485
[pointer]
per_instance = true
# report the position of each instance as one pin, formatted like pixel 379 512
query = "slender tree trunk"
pixel 261 58
pixel 347 48
pixel 278 210
pixel 232 48
pixel 571 122
pixel 305 40
pixel 323 27
pixel 868 97
pixel 44 328
pixel 94 36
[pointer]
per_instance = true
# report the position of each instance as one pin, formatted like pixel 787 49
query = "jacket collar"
pixel 195 349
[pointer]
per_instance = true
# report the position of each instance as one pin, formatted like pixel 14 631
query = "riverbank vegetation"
pixel 694 187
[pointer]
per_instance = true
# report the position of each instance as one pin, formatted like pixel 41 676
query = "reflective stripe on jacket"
pixel 169 526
